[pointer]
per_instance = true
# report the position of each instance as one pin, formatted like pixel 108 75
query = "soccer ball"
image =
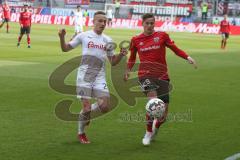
pixel 155 108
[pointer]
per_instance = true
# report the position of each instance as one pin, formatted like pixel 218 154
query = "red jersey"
pixel 6 11
pixel 224 26
pixel 151 50
pixel 25 19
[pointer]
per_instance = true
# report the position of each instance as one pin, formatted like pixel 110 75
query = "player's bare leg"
pixel 224 43
pixel 2 24
pixel 7 27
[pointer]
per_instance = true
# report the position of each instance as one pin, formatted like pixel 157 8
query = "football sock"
pixel 28 40
pixel 159 122
pixel 149 121
pixel 81 126
pixel 84 119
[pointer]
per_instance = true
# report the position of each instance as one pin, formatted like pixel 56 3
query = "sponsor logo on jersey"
pixel 149 48
pixel 91 44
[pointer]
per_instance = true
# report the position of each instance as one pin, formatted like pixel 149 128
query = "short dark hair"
pixel 78 6
pixel 147 15
pixel 99 12
pixel 25 5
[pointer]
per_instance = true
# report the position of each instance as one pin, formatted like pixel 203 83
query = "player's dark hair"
pixel 99 12
pixel 25 5
pixel 78 6
pixel 147 15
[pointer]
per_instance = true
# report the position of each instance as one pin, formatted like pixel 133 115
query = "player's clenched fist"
pixel 123 51
pixel 62 32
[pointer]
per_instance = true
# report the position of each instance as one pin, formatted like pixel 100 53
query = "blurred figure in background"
pixel 225 30
pixel 117 8
pixel 109 15
pixel 6 15
pixel 86 16
pixel 204 11
pixel 215 21
pixel 78 21
pixel 25 25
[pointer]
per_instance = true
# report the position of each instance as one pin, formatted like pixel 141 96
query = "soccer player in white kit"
pixel 91 80
pixel 109 13
pixel 78 20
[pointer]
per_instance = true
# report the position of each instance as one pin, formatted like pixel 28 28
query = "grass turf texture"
pixel 209 96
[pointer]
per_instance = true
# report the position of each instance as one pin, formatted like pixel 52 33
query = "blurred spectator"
pixel 85 13
pixel 48 3
pixel 234 22
pixel 13 10
pixel 215 21
pixel 86 16
pixel 204 11
pixel 117 8
pixel 130 13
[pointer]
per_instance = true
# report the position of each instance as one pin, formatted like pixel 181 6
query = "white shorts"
pixel 91 89
pixel 78 28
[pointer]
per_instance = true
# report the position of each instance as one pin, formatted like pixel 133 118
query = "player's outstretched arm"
pixel 114 60
pixel 182 54
pixel 170 44
pixel 64 46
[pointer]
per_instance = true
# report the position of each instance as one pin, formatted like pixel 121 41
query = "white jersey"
pixel 78 18
pixel 94 54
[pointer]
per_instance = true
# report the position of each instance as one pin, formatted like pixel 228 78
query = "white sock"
pixel 95 112
pixel 81 124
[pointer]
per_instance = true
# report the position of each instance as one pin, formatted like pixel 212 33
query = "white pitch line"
pixel 233 157
pixel 15 63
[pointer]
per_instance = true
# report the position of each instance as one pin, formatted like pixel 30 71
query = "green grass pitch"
pixel 204 107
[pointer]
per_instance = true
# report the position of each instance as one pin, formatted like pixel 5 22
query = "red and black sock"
pixel 149 121
pixel 159 122
pixel 28 40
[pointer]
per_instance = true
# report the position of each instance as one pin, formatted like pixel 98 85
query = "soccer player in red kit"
pixel 225 30
pixel 25 23
pixel 152 72
pixel 6 15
